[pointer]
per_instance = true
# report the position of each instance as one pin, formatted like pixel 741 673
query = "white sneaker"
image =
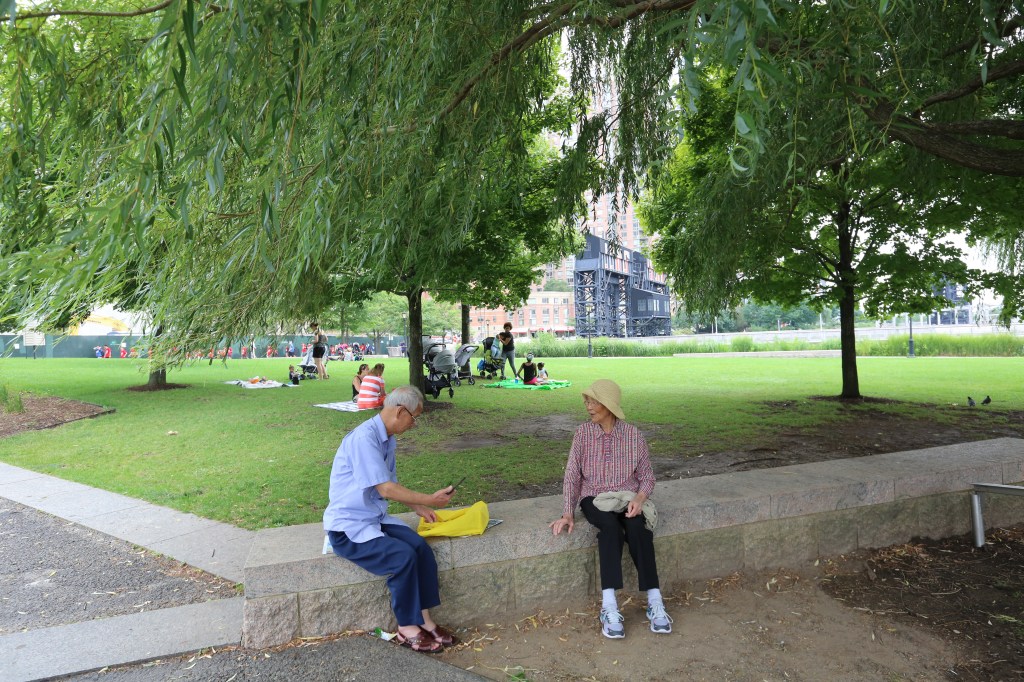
pixel 611 624
pixel 661 622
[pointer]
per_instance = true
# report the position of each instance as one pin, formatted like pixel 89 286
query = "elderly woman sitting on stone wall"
pixel 609 477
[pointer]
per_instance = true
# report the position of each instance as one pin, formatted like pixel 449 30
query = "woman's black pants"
pixel 614 529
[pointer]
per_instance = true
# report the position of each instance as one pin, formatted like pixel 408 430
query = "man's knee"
pixel 402 556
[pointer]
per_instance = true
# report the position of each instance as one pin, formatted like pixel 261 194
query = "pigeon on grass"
pixel 970 402
pixel 987 400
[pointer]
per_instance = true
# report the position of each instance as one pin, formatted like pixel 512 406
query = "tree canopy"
pixel 255 158
pixel 860 230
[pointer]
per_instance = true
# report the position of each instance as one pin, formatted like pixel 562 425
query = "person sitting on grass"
pixel 609 476
pixel 371 390
pixel 542 374
pixel 293 376
pixel 529 370
pixel 357 380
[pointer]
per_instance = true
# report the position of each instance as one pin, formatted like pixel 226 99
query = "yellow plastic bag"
pixel 454 523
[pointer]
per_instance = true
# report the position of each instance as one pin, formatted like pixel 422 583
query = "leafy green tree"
pixel 242 154
pixel 380 315
pixel 255 161
pixel 857 229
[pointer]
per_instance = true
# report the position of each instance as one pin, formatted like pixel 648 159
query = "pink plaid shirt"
pixel 602 462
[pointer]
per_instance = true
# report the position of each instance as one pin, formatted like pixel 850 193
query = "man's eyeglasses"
pixel 415 419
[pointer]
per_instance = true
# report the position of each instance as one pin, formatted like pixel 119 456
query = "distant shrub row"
pixel 936 345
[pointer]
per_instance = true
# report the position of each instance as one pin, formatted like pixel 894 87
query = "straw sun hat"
pixel 608 393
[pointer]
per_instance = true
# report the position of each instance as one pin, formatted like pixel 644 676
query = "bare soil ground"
pixel 44 413
pixel 929 610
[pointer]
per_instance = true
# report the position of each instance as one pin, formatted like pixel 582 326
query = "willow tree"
pixel 246 155
pixel 270 151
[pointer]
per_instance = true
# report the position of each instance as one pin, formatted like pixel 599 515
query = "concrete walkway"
pixel 217 548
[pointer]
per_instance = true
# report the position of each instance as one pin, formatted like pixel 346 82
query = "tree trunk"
pixel 157 378
pixel 847 303
pixel 157 373
pixel 465 334
pixel 414 343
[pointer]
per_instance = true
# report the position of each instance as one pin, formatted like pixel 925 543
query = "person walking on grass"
pixel 359 528
pixel 609 476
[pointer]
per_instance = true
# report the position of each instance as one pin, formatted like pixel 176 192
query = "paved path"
pixel 217 548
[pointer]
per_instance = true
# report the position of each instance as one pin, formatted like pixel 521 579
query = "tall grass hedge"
pixel 989 345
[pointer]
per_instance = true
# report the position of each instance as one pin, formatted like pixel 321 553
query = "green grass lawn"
pixel 262 458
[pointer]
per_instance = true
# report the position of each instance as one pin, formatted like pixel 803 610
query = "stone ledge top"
pixel 286 560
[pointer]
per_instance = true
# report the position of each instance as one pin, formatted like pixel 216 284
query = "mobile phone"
pixel 455 486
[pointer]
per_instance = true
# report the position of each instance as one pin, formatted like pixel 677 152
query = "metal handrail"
pixel 976 521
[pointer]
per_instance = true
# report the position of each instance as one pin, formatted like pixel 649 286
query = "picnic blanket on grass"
pixel 347 406
pixel 550 386
pixel 269 383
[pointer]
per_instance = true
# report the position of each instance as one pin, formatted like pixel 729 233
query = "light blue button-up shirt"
pixel 365 459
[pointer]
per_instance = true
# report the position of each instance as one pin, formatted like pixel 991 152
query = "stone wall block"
pixel 836 531
pixel 887 524
pixel 843 495
pixel 476 595
pixel 1001 510
pixel 352 607
pixel 717 514
pixel 1013 473
pixel 934 482
pixel 705 555
pixel 270 621
pixel 943 516
pixel 549 581
pixel 784 542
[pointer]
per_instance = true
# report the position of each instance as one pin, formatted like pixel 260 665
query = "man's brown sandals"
pixel 423 642
pixel 441 636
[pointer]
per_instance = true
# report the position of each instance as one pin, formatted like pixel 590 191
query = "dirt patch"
pixel 971 597
pixel 43 412
pixel 146 388
pixel 920 611
pixel 862 432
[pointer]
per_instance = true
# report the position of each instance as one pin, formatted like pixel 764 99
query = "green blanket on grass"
pixel 551 385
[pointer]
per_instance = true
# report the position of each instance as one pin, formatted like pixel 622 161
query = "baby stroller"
pixel 441 370
pixel 490 365
pixel 307 366
pixel 462 358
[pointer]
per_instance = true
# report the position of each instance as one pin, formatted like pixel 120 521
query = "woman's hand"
pixel 426 512
pixel 636 506
pixel 563 522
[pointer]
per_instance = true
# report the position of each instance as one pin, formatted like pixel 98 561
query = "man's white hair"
pixel 408 397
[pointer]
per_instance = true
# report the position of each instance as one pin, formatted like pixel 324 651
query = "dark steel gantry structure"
pixel 618 293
